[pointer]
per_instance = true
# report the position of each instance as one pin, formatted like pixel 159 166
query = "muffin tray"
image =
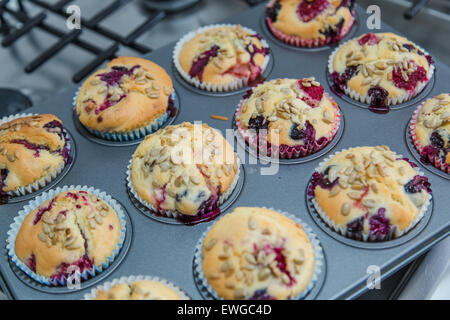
pixel 166 250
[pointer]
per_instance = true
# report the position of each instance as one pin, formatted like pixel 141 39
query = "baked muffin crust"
pixel 139 290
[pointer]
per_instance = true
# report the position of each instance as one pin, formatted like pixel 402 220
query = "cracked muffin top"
pixel 139 290
pixel 223 54
pixel 128 94
pixel 370 190
pixel 297 109
pixel 257 253
pixel 31 148
pixel 75 228
pixel 433 127
pixel 183 168
pixel 381 66
pixel 311 19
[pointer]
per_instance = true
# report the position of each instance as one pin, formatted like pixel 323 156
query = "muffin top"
pixel 310 19
pixel 380 65
pixel 257 253
pixel 223 54
pixel 433 126
pixel 128 94
pixel 139 290
pixel 30 148
pixel 73 228
pixel 370 190
pixel 298 110
pixel 183 168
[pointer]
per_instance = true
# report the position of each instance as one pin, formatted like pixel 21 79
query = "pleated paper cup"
pixel 49 177
pixel 129 280
pixel 32 205
pixel 435 161
pixel 366 237
pixel 235 84
pixel 319 260
pixel 392 100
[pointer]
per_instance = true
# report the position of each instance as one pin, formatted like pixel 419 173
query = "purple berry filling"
pixel 412 164
pixel 308 10
pixel 333 32
pixel 114 77
pixel 41 212
pixel 307 134
pixel 31 146
pixel 369 39
pixel 31 262
pixel 435 150
pixel 379 224
pixel 419 75
pixel 261 294
pixel 3 194
pixel 340 80
pixel 378 102
pixel 84 263
pixel 321 180
pixel 355 228
pixel 417 184
pixel 272 12
pixel 199 64
pixel 258 123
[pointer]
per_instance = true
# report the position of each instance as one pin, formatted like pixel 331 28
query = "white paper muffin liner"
pixel 435 161
pixel 392 100
pixel 343 230
pixel 225 87
pixel 137 133
pixel 33 204
pixel 45 180
pixel 319 260
pixel 302 42
pixel 175 214
pixel 292 152
pixel 129 280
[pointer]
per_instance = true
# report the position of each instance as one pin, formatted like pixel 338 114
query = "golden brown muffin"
pixel 139 290
pixel 169 173
pixel 300 118
pixel 369 193
pixel 310 22
pixel 257 253
pixel 75 228
pixel 221 55
pixel 31 148
pixel 382 69
pixel 130 93
pixel 431 131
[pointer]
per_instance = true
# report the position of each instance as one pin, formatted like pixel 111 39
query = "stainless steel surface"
pixel 104 168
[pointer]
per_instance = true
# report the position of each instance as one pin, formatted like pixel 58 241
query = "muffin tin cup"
pixel 92 295
pixel 175 214
pixel 394 232
pixel 133 135
pixel 291 152
pixel 225 87
pixel 32 205
pixel 391 101
pixel 297 41
pixel 47 179
pixel 309 293
pixel 435 161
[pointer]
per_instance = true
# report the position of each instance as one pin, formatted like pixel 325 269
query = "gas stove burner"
pixel 169 5
pixel 13 101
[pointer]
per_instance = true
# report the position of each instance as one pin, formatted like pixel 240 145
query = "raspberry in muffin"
pixel 184 171
pixel 130 98
pixel 74 229
pixel 430 131
pixel 299 117
pixel 221 57
pixel 380 69
pixel 33 151
pixel 257 254
pixel 310 23
pixel 370 193
pixel 139 290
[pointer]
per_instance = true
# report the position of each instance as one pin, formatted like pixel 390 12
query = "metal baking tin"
pixel 166 250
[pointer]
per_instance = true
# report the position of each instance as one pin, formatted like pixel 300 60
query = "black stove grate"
pixel 28 22
pixel 12 34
